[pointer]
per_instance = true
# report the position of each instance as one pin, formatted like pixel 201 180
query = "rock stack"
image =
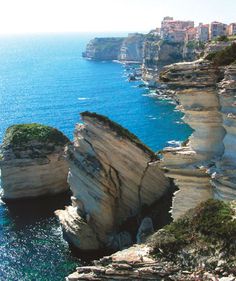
pixel 112 176
pixel 32 162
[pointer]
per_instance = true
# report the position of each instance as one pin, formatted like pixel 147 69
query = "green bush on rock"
pixel 224 57
pixel 212 222
pixel 18 135
pixel 222 38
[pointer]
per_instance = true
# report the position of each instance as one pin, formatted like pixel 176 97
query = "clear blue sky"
pixel 106 15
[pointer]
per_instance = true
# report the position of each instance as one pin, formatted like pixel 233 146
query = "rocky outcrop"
pixel 203 167
pixel 128 49
pixel 200 246
pixel 132 48
pixel 134 263
pixel 223 174
pixel 112 176
pixel 104 48
pixel 158 53
pixel 32 162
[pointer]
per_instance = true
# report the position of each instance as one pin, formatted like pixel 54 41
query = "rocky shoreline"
pixel 173 254
pixel 202 168
pixel 119 185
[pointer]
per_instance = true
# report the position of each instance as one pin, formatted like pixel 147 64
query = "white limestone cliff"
pixel 32 162
pixel 112 176
pixel 223 176
pixel 204 166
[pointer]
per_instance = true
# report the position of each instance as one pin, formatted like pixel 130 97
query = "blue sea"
pixel 44 79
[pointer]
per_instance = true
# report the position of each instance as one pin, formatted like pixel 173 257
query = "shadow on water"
pixel 29 211
pixel 31 242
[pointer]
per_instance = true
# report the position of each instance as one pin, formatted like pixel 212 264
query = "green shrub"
pixel 192 44
pixel 214 220
pixel 222 38
pixel 18 135
pixel 210 223
pixel 223 57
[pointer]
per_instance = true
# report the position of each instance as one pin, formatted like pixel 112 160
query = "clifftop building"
pixel 217 29
pixel 191 34
pixel 180 31
pixel 202 32
pixel 231 29
pixel 174 30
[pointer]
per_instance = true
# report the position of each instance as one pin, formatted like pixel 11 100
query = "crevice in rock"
pixel 116 182
pixel 140 184
pixel 90 144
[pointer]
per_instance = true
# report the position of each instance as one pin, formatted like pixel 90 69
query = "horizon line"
pixel 72 31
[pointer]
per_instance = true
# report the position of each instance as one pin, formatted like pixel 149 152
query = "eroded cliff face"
pixel 132 48
pixel 112 176
pixel 199 246
pixel 32 162
pixel 127 49
pixel 104 48
pixel 158 53
pixel 203 167
pixel 223 176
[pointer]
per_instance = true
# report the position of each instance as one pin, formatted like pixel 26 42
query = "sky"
pixel 29 16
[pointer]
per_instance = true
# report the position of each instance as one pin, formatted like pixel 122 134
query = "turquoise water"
pixel 43 79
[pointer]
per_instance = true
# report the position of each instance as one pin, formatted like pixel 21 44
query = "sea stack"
pixel 32 162
pixel 112 175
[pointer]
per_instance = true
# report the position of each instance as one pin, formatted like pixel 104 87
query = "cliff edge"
pixel 103 48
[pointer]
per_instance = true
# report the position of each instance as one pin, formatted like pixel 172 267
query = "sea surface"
pixel 44 79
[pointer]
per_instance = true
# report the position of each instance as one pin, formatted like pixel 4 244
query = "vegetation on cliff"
pixel 103 48
pixel 103 44
pixel 208 230
pixel 121 131
pixel 223 57
pixel 199 246
pixel 18 135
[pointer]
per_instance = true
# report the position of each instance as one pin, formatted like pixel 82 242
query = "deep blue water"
pixel 44 79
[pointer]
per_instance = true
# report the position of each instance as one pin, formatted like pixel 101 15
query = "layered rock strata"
pixel 32 162
pixel 112 176
pixel 204 166
pixel 223 174
pixel 134 263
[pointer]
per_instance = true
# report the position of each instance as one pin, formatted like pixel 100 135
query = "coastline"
pixel 136 100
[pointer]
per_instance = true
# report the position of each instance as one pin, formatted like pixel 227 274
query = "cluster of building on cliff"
pixel 179 31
